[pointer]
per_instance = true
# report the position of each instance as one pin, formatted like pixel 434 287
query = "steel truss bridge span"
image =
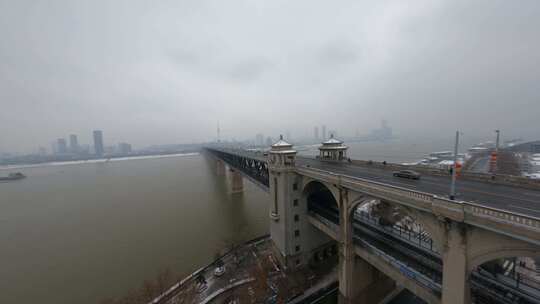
pixel 250 165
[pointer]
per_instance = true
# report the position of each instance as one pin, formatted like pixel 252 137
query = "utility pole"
pixel 496 163
pixel 218 133
pixel 493 159
pixel 497 141
pixel 453 184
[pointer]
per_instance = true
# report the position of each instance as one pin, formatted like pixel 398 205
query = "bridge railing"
pixel 502 215
pixel 429 201
pixel 400 266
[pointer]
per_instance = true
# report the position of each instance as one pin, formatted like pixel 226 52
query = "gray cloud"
pixel 151 72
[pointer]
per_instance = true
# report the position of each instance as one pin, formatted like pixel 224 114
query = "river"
pixel 80 232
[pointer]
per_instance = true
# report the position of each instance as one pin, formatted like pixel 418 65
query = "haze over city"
pixel 163 72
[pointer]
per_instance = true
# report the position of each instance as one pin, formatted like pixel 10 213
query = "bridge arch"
pixel 485 246
pixel 321 197
pixel 427 222
pixel 503 254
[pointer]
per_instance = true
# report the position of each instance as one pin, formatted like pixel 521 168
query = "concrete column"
pixel 455 287
pixel 359 281
pixel 354 274
pixel 220 167
pixel 237 182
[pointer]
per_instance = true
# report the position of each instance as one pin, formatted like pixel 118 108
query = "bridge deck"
pixel 514 199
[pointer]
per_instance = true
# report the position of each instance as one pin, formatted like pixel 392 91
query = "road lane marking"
pixel 464 189
pixel 531 194
pixel 525 208
pixel 384 178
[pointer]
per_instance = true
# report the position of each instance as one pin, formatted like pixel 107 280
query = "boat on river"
pixel 12 176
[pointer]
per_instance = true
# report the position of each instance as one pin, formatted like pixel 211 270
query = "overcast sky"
pixel 155 72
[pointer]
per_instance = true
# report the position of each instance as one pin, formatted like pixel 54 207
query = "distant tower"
pixel 73 143
pixel 124 148
pixel 98 142
pixel 385 130
pixel 288 135
pixel 323 132
pixel 61 146
pixel 269 141
pixel 259 140
pixel 316 133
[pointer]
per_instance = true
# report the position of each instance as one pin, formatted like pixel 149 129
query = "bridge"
pixel 392 232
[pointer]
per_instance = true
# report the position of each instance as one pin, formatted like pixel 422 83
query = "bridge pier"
pixel 237 182
pixel 355 276
pixel 359 281
pixel 455 283
pixel 220 167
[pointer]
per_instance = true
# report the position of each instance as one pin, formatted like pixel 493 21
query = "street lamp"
pixel 453 184
pixel 495 156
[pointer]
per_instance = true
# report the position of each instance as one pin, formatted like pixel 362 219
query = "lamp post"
pixel 453 184
pixel 496 156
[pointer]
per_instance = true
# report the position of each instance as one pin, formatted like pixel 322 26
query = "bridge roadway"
pixel 515 199
pixel 507 198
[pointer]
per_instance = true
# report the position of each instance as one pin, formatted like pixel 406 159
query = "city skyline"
pixel 147 80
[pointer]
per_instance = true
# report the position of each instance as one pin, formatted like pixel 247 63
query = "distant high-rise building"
pixel 73 143
pixel 42 151
pixel 61 146
pixel 259 139
pixel 383 133
pixel 269 141
pixel 124 148
pixel 288 135
pixel 98 142
pixel 323 132
pixel 316 133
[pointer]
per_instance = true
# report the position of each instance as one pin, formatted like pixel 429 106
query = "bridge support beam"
pixel 455 287
pixel 237 182
pixel 220 167
pixel 355 275
pixel 359 281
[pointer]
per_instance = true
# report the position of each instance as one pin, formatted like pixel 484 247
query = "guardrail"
pixel 428 202
pixel 502 215
pixel 417 239
pixel 403 268
pixel 400 266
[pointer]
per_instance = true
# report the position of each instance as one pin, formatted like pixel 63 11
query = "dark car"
pixel 407 174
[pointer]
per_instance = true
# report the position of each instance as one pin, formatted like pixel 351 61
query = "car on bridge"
pixel 407 174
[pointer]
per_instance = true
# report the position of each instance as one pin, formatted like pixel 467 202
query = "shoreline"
pixel 95 161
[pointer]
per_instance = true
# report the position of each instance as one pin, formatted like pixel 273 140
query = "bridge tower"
pixel 283 194
pixel 333 149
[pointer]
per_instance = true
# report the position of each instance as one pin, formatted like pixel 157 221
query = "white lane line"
pixel 531 194
pixel 403 184
pixel 525 208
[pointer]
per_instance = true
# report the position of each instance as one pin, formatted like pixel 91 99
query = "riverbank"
pixel 94 160
pixel 252 274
